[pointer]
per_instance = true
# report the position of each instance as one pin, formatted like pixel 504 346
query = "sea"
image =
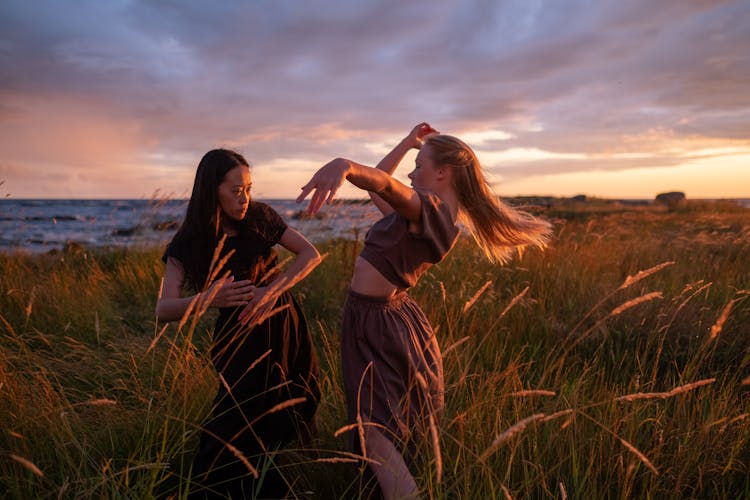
pixel 44 225
pixel 38 226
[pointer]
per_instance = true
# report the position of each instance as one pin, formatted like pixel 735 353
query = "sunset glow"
pixel 120 100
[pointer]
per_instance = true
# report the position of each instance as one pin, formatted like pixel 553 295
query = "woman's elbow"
pixel 313 257
pixel 162 314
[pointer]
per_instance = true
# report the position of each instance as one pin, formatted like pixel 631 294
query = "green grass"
pixel 98 401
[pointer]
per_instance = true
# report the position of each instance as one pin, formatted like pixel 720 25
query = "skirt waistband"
pixel 363 300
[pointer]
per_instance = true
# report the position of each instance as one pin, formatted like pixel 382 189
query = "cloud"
pixel 153 85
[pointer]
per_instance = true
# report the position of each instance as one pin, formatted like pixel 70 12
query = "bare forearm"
pixel 173 309
pixel 300 267
pixel 388 164
pixel 392 159
pixel 396 195
pixel 370 179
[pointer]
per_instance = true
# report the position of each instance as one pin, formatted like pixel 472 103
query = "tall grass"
pixel 614 365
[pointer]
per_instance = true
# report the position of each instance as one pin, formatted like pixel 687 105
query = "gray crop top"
pixel 401 256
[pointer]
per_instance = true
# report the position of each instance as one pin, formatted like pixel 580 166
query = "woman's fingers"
pixel 242 286
pixel 317 200
pixel 305 191
pixel 330 196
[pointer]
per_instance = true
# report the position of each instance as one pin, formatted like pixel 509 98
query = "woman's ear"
pixel 443 172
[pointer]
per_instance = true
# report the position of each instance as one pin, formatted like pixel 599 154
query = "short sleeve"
pixel 438 226
pixel 267 223
pixel 176 249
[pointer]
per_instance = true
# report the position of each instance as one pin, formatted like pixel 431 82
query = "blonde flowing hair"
pixel 497 228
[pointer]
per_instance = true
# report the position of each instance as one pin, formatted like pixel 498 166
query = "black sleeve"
pixel 268 223
pixel 176 249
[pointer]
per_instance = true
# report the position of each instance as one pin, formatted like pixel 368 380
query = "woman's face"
pixel 234 192
pixel 422 177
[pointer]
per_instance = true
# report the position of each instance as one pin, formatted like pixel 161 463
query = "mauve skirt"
pixel 393 372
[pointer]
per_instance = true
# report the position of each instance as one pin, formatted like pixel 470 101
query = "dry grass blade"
pixel 532 392
pixel 476 296
pixel 349 427
pixel 189 311
pixel 343 429
pixel 213 268
pixel 638 454
pixel 664 395
pixel 280 406
pixel 634 302
pixel 509 433
pixel 456 344
pixel 436 448
pixel 156 339
pixel 360 426
pixel 630 280
pixel 237 453
pixel 258 360
pixel 563 493
pixel 736 419
pixel 513 302
pixel 719 325
pixel 507 494
pixel 100 402
pixel 144 467
pixel 337 460
pixel 361 435
pixel 29 307
pixel 347 457
pixel 557 414
pixel 28 464
pixel 224 383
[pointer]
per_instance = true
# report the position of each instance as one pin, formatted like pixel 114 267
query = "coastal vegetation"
pixel 616 364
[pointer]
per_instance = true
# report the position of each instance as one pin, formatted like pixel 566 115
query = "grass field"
pixel 614 365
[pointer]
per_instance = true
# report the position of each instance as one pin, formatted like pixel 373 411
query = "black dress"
pixel 265 366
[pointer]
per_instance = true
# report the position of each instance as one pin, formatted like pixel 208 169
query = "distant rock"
pixel 73 247
pixel 125 231
pixel 671 200
pixel 305 215
pixel 579 198
pixel 165 225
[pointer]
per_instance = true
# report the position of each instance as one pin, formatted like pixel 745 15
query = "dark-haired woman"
pixel 224 253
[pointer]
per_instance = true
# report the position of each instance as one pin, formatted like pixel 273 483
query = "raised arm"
pixel 327 181
pixel 305 260
pixel 390 161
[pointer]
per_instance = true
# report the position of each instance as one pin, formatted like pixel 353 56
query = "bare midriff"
pixel 368 281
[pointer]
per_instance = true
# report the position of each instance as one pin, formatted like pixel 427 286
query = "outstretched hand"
pixel 324 184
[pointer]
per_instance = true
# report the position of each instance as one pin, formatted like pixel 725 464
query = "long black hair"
pixel 202 227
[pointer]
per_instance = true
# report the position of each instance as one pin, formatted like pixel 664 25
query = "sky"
pixel 608 98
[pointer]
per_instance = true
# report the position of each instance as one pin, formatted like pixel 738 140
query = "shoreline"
pixel 50 226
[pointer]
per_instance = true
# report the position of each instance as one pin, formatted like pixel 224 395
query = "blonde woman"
pixel 392 365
